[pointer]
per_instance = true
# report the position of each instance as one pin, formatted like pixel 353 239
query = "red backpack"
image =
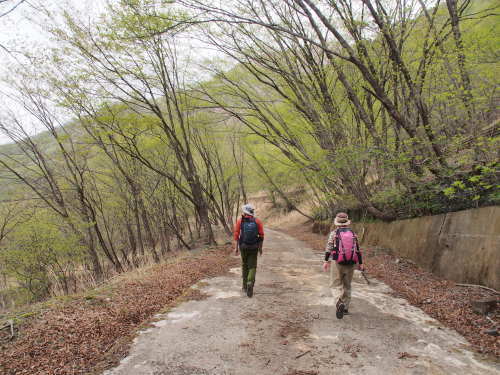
pixel 346 246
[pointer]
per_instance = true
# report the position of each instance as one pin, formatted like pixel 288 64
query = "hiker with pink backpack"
pixel 343 248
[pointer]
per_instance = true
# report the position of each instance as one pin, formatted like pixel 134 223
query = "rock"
pixel 492 332
pixel 484 305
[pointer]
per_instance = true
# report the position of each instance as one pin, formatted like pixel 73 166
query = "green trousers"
pixel 248 264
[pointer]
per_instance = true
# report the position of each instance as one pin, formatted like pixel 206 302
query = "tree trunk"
pixel 149 233
pixel 132 242
pixel 138 224
pixel 464 75
pixel 163 243
pixel 203 213
pixel 94 258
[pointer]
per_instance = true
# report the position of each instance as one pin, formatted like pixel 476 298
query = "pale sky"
pixel 23 29
pixel 20 29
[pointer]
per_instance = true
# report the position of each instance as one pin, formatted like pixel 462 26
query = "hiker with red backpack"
pixel 249 237
pixel 343 248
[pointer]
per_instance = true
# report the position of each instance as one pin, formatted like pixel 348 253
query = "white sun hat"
pixel 248 209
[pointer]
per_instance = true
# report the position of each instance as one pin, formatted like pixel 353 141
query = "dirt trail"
pixel 289 328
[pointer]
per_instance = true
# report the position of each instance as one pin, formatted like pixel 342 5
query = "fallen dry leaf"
pixel 82 336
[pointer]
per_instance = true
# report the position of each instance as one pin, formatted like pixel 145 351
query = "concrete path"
pixel 289 328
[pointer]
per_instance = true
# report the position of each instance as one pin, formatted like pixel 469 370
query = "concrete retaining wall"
pixel 462 246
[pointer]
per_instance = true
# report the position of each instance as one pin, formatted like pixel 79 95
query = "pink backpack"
pixel 346 246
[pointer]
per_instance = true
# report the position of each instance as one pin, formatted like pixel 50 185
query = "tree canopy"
pixel 162 118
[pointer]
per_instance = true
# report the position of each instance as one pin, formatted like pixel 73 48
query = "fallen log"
pixel 479 286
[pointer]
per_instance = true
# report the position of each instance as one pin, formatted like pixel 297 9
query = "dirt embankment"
pixel 91 332
pixel 440 298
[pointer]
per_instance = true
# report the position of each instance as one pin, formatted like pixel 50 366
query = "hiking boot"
pixel 340 310
pixel 250 290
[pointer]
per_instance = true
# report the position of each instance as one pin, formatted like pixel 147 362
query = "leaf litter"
pixel 91 333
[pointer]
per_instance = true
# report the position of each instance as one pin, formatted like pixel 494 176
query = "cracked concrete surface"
pixel 289 328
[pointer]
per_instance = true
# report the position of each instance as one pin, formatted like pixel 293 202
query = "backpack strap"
pixel 334 250
pixel 356 241
pixel 355 246
pixel 336 241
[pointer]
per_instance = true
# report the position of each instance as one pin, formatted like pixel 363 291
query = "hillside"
pixel 181 113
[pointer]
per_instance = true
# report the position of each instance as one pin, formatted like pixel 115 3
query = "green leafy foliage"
pixel 152 157
pixel 41 256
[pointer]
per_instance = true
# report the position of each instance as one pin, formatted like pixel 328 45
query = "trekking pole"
pixel 366 278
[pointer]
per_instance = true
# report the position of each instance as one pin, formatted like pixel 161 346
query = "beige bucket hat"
pixel 342 220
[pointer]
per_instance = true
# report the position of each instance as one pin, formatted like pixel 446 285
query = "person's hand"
pixel 326 266
pixel 361 267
